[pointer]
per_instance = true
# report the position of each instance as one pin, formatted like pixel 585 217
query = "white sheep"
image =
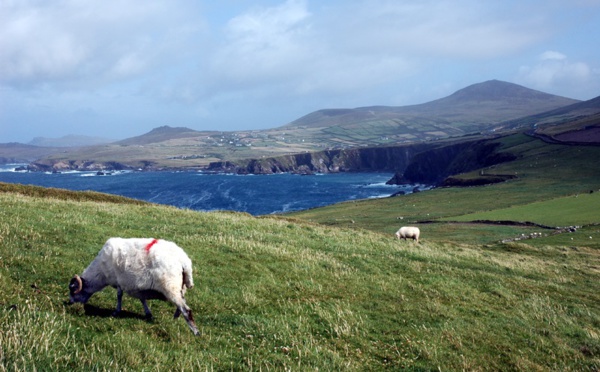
pixel 408 232
pixel 143 268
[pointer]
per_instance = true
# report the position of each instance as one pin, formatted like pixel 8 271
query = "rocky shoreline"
pixel 420 163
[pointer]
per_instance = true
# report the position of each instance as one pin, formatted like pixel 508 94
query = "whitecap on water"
pixel 11 167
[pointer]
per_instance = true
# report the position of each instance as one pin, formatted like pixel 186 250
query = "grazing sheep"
pixel 143 268
pixel 408 232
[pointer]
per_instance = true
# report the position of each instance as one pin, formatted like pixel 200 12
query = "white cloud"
pixel 552 55
pixel 192 61
pixel 263 45
pixel 346 46
pixel 554 72
pixel 289 47
pixel 450 29
pixel 90 41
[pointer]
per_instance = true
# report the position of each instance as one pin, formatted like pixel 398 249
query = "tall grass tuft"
pixel 35 339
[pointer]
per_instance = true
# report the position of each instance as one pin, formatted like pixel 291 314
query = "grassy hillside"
pixel 275 294
pixel 477 108
pixel 573 210
pixel 543 171
pixel 20 153
pixel 572 117
pixel 468 110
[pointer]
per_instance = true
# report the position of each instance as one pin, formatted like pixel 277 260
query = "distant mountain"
pixel 470 109
pixel 69 141
pixel 564 113
pixel 496 98
pixel 578 109
pixel 161 134
pixel 15 153
pixel 576 123
pixel 475 110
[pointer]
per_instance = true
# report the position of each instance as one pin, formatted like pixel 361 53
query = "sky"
pixel 119 68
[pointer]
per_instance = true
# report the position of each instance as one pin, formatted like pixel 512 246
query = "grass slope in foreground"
pixel 273 294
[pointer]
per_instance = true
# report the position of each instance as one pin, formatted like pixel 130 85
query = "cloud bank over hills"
pixel 115 69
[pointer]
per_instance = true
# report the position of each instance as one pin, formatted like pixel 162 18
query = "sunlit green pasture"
pixel 555 186
pixel 574 210
pixel 275 294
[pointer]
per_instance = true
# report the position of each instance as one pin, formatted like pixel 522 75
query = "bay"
pixel 254 194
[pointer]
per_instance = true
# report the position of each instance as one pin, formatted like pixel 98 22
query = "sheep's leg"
pixel 175 296
pixel 189 318
pixel 119 301
pixel 146 309
pixel 183 309
pixel 177 311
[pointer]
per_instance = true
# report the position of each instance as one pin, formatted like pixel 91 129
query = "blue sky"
pixel 118 68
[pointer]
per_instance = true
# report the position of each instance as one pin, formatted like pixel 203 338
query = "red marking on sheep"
pixel 154 241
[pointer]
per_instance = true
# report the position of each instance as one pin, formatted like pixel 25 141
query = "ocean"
pixel 254 194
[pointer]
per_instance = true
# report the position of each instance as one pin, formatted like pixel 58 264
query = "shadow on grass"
pixel 95 311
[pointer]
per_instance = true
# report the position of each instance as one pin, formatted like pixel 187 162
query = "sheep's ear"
pixel 76 285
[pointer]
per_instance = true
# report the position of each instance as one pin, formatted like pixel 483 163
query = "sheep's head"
pixel 76 285
pixel 77 290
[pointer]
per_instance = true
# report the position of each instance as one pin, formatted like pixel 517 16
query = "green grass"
pixel 574 210
pixel 285 293
pixel 551 174
pixel 276 294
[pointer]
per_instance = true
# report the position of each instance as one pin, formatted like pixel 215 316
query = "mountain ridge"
pixel 477 109
pixel 160 134
pixel 491 96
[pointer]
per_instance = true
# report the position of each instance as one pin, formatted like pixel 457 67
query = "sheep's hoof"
pixel 149 317
pixel 116 313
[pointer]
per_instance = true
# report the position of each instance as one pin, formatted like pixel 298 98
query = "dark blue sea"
pixel 254 194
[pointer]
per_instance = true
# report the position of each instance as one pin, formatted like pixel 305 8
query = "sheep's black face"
pixel 77 290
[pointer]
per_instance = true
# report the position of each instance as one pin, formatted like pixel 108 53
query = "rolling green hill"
pixel 163 134
pixel 277 294
pixel 573 210
pixel 477 108
pixel 578 123
pixel 542 171
pixel 21 153
pixel 287 293
pixel 468 110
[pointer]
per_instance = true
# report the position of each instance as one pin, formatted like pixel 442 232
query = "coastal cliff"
pixel 46 165
pixel 425 163
pixel 377 159
pixel 433 166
